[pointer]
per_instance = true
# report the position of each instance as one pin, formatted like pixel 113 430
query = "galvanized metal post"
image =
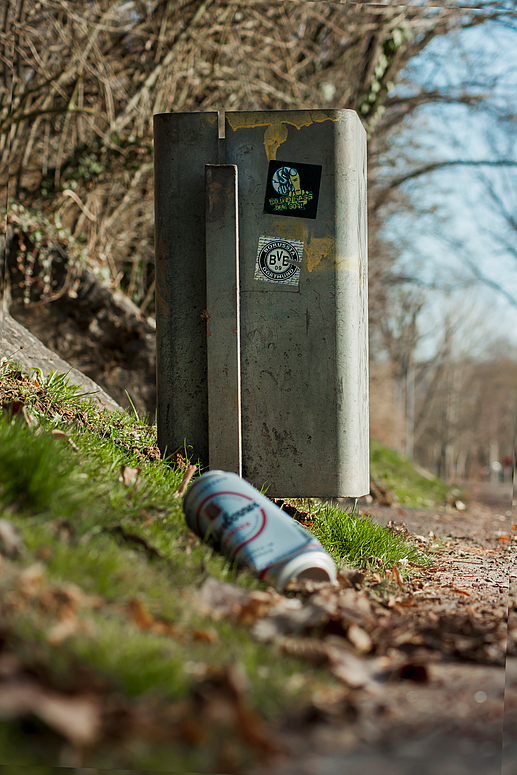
pixel 303 296
pixel 303 269
pixel 223 319
pixel 183 144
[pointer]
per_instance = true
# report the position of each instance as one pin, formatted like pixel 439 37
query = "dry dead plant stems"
pixel 82 80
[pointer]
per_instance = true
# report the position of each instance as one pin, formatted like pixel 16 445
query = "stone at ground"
pixel 100 332
pixel 22 347
pixel 94 327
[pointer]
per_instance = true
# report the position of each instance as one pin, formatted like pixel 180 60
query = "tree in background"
pixel 465 414
pixel 465 394
pixel 81 81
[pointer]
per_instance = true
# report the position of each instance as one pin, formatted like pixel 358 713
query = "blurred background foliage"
pixel 80 81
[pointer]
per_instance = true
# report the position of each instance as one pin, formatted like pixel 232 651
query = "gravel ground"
pixel 460 717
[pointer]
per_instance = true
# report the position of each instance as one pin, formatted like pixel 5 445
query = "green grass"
pixel 72 479
pixel 356 539
pixel 41 479
pixel 36 474
pixel 397 473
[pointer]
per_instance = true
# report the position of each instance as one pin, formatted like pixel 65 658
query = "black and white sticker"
pixel 278 260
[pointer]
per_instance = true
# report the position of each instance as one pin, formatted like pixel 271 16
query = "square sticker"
pixel 278 260
pixel 293 189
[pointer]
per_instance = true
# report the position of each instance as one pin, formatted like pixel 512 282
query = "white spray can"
pixel 231 515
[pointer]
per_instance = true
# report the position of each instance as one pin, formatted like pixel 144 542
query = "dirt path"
pixel 451 705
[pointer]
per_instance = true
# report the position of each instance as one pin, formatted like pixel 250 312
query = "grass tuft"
pixel 35 472
pixel 355 539
pixel 397 473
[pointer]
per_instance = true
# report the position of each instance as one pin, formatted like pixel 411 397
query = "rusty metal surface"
pixel 223 321
pixel 184 143
pixel 304 347
pixel 303 295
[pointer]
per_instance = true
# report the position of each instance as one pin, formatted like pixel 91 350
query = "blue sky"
pixel 457 221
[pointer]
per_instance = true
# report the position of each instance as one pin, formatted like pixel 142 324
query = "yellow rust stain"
pixel 274 136
pixel 294 229
pixel 321 255
pixel 276 124
pixel 319 252
pixel 351 264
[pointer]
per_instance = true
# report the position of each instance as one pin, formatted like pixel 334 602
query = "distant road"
pixel 496 495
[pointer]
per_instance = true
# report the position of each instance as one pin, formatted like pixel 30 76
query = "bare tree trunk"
pixel 410 408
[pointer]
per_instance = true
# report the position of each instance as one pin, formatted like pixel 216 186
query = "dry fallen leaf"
pixel 221 600
pixel 63 601
pixel 328 609
pixel 406 602
pixel 148 518
pixel 205 636
pixel 349 577
pixel 394 601
pixel 128 476
pixel 396 576
pixel 255 607
pixel 287 621
pixel 359 638
pixel 461 591
pixel 139 614
pixel 63 630
pixel 147 622
pixel 18 409
pixel 31 579
pixel 220 701
pixel 10 539
pixel 75 716
pixel 334 651
pixel 356 673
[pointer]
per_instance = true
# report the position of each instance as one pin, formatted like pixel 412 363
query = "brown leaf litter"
pixel 91 716
pixel 88 712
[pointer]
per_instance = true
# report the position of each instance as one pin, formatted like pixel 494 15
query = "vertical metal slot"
pixel 223 318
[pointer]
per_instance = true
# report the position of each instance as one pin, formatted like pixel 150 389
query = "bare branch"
pixel 383 195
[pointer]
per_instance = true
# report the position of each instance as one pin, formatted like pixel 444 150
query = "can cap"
pixel 315 565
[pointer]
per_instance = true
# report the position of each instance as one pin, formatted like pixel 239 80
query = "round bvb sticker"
pixel 275 260
pixel 283 180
